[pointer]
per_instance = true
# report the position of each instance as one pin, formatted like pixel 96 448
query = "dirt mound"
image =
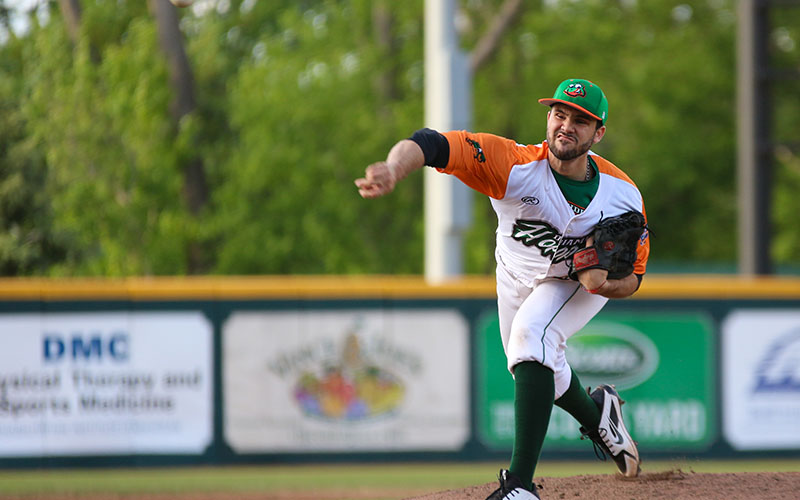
pixel 672 485
pixel 668 485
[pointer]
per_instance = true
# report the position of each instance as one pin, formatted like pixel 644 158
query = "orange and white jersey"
pixel 537 230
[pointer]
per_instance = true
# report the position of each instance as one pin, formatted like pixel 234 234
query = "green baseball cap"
pixel 582 95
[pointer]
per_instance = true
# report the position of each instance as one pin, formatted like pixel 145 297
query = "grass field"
pixel 266 479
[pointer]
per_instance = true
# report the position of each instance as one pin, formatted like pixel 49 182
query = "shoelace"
pixel 599 452
pixel 507 492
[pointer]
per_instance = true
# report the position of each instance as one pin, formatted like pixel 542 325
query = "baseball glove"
pixel 614 247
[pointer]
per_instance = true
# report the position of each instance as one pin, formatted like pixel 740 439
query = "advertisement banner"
pixel 761 379
pixel 105 383
pixel 662 365
pixel 346 380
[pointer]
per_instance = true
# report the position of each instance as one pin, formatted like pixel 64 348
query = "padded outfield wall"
pixel 292 369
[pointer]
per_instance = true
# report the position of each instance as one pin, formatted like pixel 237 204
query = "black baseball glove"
pixel 614 247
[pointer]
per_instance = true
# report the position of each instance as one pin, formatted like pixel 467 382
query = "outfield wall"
pixel 288 369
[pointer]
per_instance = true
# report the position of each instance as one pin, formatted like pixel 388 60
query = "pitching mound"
pixel 669 485
pixel 672 485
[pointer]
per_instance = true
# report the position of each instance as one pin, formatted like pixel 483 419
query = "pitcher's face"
pixel 571 133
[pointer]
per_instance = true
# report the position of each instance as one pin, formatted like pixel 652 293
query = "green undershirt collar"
pixel 578 193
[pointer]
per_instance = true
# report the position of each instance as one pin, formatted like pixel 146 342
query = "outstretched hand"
pixel 381 177
pixel 378 180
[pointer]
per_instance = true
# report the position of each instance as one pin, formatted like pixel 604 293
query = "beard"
pixel 569 152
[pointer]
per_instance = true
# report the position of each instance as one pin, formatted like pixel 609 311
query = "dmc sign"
pixel 85 347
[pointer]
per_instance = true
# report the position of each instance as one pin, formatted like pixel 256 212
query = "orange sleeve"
pixel 643 250
pixel 484 161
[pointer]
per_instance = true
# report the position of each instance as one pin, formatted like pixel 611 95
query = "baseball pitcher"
pixel 572 233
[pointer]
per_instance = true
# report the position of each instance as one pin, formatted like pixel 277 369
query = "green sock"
pixel 534 390
pixel 577 403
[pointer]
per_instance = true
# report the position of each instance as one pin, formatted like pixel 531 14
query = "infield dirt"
pixel 669 485
pixel 672 485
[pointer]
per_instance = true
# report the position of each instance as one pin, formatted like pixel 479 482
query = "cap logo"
pixel 575 90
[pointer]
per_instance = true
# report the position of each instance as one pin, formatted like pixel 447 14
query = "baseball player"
pixel 548 198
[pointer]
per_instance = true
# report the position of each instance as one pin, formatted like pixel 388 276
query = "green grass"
pixel 266 479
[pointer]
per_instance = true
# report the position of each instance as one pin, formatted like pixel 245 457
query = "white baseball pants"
pixel 535 322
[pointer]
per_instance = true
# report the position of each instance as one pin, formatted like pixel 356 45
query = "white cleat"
pixel 511 488
pixel 611 435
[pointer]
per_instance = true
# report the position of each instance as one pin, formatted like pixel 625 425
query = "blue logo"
pixel 779 371
pixel 85 347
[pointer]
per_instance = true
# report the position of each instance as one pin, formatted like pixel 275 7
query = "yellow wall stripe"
pixel 338 287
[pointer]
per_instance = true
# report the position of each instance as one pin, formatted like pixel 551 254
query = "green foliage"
pixel 671 124
pixel 301 111
pixel 296 98
pixel 27 243
pixel 112 166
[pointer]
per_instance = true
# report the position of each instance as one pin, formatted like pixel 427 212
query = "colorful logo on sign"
pixel 349 388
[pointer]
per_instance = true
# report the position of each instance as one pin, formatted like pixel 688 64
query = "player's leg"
pixel 611 433
pixel 534 389
pixel 553 312
pixel 600 416
pixel 534 342
pixel 530 416
pixel 577 402
pixel 511 293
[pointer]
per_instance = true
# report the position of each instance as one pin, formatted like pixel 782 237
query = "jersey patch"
pixel 552 244
pixel 478 150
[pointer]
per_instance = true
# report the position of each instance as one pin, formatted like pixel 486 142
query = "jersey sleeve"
pixel 643 249
pixel 483 161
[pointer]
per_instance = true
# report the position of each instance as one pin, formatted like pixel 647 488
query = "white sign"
pixel 105 383
pixel 761 379
pixel 359 380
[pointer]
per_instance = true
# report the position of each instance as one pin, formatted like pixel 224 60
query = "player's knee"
pixel 524 343
pixel 526 334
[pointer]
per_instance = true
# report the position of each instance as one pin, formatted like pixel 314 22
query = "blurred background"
pixel 189 275
pixel 224 138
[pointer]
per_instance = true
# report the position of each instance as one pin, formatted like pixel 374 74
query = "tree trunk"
pixel 487 45
pixel 71 11
pixel 383 30
pixel 181 79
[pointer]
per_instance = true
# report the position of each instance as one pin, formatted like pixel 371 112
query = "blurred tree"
pixel 28 244
pixel 121 156
pixel 784 49
pixel 71 12
pixel 671 119
pixel 310 105
pixel 181 80
pixel 104 129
